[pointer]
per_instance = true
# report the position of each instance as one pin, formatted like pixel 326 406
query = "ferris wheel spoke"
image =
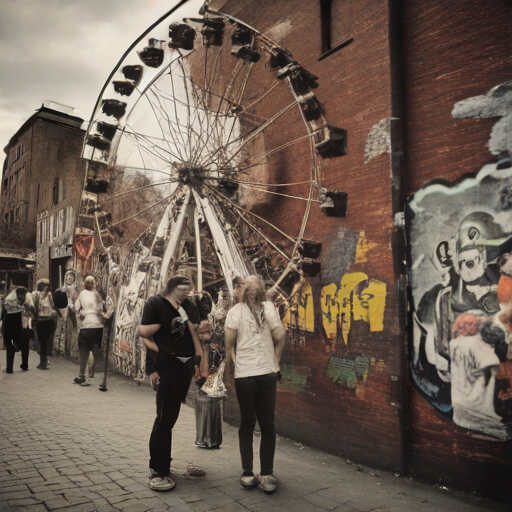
pixel 188 109
pixel 143 211
pixel 152 149
pixel 256 230
pixel 156 106
pixel 269 152
pixel 252 214
pixel 177 118
pixel 251 134
pixel 133 190
pixel 249 185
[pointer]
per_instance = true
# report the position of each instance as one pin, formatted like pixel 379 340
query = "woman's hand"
pixel 154 380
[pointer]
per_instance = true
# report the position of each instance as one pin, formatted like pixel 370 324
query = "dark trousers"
pixel 257 399
pixel 12 338
pixel 87 340
pixel 172 390
pixel 45 329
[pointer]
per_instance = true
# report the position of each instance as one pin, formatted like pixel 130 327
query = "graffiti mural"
pixel 357 298
pixel 460 241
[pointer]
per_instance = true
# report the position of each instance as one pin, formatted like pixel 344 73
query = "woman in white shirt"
pixel 254 325
pixel 90 306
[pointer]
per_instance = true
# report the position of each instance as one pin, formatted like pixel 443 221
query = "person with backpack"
pixel 46 316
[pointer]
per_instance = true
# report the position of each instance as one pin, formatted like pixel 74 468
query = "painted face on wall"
pixel 472 264
pixel 69 279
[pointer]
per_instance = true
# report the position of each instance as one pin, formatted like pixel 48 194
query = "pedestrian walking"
pixel 16 307
pixel 253 326
pixel 45 319
pixel 90 308
pixel 167 329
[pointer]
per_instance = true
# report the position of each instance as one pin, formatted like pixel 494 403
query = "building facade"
pixel 42 182
pixel 372 370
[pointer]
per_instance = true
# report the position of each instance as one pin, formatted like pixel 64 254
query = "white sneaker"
pixel 86 382
pixel 160 483
pixel 248 482
pixel 268 483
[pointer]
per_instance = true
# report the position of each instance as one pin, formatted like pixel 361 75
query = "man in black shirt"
pixel 167 328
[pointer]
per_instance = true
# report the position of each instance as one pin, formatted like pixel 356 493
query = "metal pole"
pixel 198 250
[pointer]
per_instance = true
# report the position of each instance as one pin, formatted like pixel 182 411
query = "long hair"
pixel 254 282
pixel 174 282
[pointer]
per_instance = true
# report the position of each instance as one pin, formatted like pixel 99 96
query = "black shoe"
pixel 24 368
pixel 79 379
pixel 43 367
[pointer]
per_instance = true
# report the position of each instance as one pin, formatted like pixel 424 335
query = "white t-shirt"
pixel 254 346
pixel 89 305
pixel 474 365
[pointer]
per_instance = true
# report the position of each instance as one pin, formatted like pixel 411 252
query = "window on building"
pixel 336 25
pixel 11 217
pixel 18 214
pixel 55 193
pixel 38 196
pixel 6 185
pixel 6 217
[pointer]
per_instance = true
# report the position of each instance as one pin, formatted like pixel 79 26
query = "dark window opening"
pixel 336 25
pixel 38 195
pixel 55 193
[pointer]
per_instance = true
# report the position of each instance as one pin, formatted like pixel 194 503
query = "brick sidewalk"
pixel 66 447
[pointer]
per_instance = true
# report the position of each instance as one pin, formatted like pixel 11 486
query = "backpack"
pixel 60 299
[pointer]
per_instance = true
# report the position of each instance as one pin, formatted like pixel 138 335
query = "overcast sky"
pixel 63 51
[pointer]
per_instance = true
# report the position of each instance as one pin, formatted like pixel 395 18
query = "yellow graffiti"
pixel 302 315
pixel 358 298
pixel 362 249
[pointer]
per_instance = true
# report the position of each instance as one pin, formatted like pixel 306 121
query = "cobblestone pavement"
pixel 72 448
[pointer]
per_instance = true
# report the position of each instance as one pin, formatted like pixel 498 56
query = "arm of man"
pixel 279 339
pixel 230 336
pixel 195 338
pixel 146 333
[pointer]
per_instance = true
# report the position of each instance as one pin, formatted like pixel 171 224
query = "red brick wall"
pixel 362 421
pixel 55 155
pixel 452 51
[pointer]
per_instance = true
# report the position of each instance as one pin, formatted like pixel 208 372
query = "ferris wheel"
pixel 193 151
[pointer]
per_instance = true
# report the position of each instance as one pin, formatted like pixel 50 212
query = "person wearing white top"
pixel 91 309
pixel 255 327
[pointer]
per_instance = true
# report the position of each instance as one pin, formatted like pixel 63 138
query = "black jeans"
pixel 257 399
pixel 88 339
pixel 45 329
pixel 12 336
pixel 172 390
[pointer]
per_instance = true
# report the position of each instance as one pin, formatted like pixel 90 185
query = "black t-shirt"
pixel 173 339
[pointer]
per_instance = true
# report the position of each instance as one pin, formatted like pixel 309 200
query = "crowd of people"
pixel 32 317
pixel 254 342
